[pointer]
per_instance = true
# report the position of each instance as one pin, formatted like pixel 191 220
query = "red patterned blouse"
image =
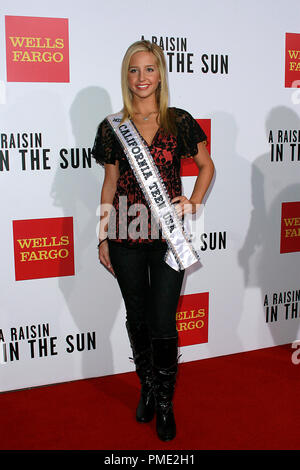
pixel 130 221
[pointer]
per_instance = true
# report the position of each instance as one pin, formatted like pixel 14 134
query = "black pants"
pixel 150 288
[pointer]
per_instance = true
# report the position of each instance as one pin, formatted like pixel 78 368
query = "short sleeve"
pixel 104 150
pixel 190 134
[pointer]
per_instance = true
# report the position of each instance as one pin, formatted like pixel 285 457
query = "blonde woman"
pixel 133 248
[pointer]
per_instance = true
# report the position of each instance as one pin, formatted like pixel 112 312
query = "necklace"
pixel 147 117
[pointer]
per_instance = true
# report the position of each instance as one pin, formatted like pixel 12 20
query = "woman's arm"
pixel 107 196
pixel 205 175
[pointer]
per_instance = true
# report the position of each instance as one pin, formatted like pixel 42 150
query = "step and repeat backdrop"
pixel 235 66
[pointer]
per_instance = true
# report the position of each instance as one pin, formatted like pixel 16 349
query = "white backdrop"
pixel 244 103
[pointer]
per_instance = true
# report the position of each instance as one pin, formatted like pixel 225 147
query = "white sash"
pixel 181 253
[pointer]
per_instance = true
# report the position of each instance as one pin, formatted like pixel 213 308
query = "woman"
pixel 149 286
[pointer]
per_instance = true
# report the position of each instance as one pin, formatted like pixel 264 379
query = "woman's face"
pixel 143 75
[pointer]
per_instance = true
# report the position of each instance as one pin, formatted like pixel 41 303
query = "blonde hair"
pixel 166 119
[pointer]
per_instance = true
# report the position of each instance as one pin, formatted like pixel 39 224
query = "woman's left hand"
pixel 183 205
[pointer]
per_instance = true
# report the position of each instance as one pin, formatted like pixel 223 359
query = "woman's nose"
pixel 141 75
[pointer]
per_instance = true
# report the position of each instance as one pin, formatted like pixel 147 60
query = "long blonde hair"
pixel 166 118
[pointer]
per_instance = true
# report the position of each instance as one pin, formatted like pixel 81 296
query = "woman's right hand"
pixel 103 253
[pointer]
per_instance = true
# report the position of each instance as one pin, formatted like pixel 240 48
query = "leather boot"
pixel 142 356
pixel 165 370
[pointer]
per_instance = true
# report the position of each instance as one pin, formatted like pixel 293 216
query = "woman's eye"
pixel 132 70
pixel 150 69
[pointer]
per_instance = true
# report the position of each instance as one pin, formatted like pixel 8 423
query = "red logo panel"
pixel 37 49
pixel 292 59
pixel 188 165
pixel 192 319
pixel 290 227
pixel 43 248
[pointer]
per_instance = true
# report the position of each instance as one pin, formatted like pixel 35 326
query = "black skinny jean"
pixel 150 288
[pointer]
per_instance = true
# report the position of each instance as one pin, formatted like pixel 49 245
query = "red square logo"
pixel 290 227
pixel 43 248
pixel 188 165
pixel 192 319
pixel 37 49
pixel 292 59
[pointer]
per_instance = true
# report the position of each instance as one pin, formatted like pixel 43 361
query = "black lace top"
pixel 167 152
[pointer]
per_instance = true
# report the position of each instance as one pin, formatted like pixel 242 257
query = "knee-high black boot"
pixel 142 356
pixel 165 370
